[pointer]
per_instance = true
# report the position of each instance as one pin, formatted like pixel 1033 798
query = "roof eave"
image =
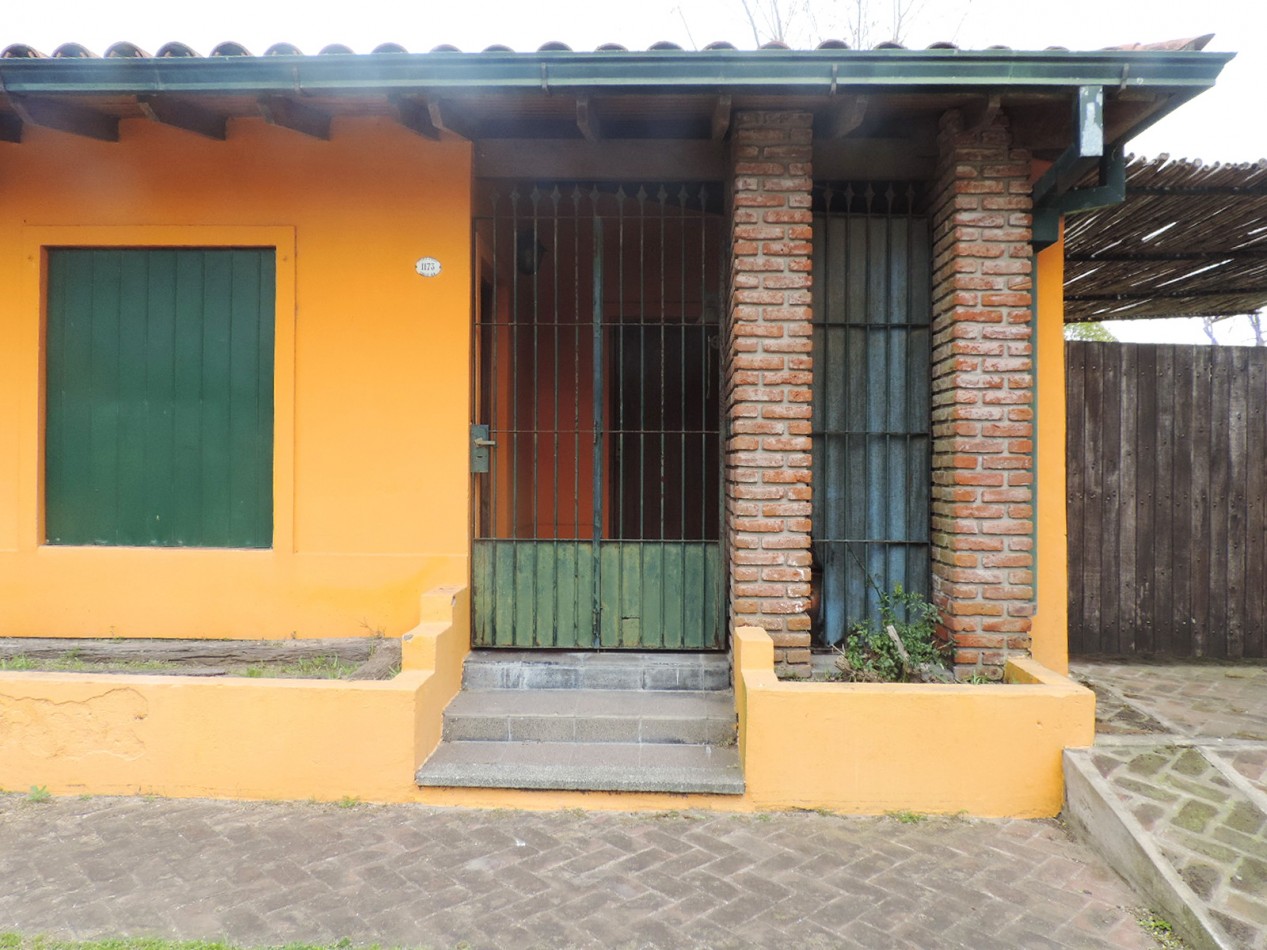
pixel 767 71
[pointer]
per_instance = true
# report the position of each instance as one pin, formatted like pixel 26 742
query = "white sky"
pixel 1225 124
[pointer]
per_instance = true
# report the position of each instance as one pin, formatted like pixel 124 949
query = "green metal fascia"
pixel 769 71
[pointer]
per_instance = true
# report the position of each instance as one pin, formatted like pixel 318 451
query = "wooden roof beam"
pixel 445 119
pixel 66 118
pixel 721 117
pixel 846 116
pixel 415 116
pixel 294 115
pixel 981 113
pixel 587 120
pixel 10 128
pixel 184 115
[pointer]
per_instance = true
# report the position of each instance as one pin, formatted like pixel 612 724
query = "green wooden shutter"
pixel 159 418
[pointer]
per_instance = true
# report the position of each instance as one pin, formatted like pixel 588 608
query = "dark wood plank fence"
pixel 1167 450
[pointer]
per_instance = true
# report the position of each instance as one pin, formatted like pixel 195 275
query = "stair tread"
pixel 643 704
pixel 585 765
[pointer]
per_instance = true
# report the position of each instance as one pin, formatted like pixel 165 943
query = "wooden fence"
pixel 1167 452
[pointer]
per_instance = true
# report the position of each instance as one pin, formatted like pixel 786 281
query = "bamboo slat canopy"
pixel 1190 240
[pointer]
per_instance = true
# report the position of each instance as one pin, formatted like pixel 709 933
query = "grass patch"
pixel 906 817
pixel 38 795
pixel 310 667
pixel 15 941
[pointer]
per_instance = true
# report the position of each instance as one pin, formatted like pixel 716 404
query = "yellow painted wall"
pixel 234 737
pixel 1051 618
pixel 859 749
pixel 372 384
pixel 868 748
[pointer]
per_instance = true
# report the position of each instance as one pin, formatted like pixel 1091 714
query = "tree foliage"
pixel 804 23
pixel 1089 333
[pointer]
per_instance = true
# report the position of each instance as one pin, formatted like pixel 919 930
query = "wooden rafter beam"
pixel 721 117
pixel 981 113
pixel 1247 292
pixel 587 120
pixel 294 115
pixel 10 128
pixel 446 119
pixel 416 117
pixel 845 117
pixel 66 117
pixel 184 115
pixel 1256 254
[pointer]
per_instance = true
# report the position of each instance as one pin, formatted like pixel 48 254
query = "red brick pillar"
pixel 767 384
pixel 983 396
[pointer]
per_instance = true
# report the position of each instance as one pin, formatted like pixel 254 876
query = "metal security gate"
pixel 871 422
pixel 596 438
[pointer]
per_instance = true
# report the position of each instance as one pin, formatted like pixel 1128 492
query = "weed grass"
pixel 16 941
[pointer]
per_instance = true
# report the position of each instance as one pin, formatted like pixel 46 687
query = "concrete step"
pixel 540 669
pixel 592 715
pixel 590 766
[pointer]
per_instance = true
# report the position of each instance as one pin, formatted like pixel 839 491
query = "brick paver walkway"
pixel 406 875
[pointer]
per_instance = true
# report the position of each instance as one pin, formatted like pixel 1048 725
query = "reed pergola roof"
pixel 1190 240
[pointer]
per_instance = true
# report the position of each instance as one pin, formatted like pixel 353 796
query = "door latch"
pixel 480 445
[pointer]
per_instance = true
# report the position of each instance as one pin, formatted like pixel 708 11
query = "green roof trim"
pixel 768 71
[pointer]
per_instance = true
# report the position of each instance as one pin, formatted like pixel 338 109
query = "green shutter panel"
pixel 159 417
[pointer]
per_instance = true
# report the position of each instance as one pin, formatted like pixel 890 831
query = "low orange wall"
pixel 871 748
pixel 234 738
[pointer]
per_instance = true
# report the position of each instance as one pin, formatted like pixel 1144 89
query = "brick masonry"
pixel 983 396
pixel 768 380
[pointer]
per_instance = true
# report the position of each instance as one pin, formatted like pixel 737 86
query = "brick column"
pixel 983 396
pixel 767 383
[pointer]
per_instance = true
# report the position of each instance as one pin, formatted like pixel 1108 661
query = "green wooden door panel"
pixel 541 594
pixel 159 397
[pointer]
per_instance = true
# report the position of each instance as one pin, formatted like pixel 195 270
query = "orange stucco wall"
pixel 372 382
pixel 1051 617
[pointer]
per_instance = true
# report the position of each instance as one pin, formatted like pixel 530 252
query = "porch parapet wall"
pixel 983 396
pixel 768 381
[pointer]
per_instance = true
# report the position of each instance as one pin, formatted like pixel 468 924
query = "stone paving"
pixel 1184 747
pixel 1214 837
pixel 1207 700
pixel 262 874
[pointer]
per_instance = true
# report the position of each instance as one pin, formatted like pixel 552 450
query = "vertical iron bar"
pixel 535 382
pixel 642 396
pixel 598 415
pixel 514 418
pixel 556 430
pixel 622 438
pixel 491 479
pixel 683 494
pixel 514 375
pixel 662 196
pixel 576 396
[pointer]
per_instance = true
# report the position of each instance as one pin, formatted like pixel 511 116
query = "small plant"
pixel 17 664
pixel 907 817
pixel 348 801
pixel 38 795
pixel 1161 930
pixel 895 647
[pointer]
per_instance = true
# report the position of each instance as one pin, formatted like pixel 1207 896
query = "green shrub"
pixel 870 653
